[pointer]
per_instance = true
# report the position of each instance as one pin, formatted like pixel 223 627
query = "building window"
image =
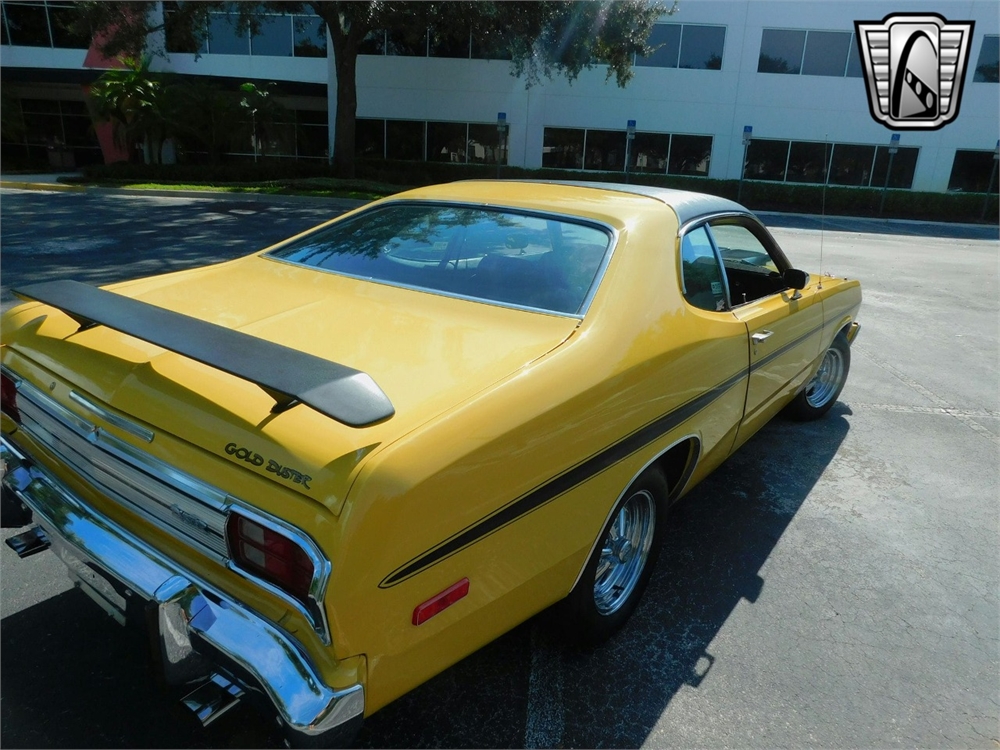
pixel 369 139
pixel 971 171
pixel 489 47
pixel 279 35
pixel 810 53
pixel 446 141
pixel 407 43
pixel 455 45
pixel 988 67
pixel 41 24
pixel 57 133
pixel 686 45
pixel 455 142
pixel 604 151
pixel 650 152
pixel 274 37
pixel 310 36
pixel 224 38
pixel 817 163
pixel 690 155
pixel 562 148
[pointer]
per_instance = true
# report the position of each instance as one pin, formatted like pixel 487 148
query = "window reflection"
pixel 781 51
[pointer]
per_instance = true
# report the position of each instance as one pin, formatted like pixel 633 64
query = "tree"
pixel 540 38
pixel 134 100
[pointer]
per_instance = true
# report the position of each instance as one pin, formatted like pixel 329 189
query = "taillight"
pixel 269 555
pixel 8 397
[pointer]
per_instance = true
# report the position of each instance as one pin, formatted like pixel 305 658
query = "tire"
pixel 619 568
pixel 824 389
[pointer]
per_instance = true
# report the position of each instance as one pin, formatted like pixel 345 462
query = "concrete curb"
pixel 57 187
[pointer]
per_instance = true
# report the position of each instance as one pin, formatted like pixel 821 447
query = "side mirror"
pixel 795 279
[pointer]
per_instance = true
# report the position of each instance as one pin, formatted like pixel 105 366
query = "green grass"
pixel 319 187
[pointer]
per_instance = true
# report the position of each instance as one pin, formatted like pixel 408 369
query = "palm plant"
pixel 133 99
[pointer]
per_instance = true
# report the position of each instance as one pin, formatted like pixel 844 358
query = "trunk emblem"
pixel 255 459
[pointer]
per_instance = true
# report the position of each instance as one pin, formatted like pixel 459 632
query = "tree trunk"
pixel 346 61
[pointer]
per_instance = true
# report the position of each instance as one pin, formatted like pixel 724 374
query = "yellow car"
pixel 323 473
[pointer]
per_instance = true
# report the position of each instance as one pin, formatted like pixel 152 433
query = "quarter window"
pixel 700 272
pixel 751 272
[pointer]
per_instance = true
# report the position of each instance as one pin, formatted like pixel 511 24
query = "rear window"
pixel 499 256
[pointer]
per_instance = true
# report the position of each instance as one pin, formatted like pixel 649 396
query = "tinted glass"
pixel 970 172
pixel 701 47
pixel 988 67
pixel 369 138
pixel 904 164
pixel 563 148
pixel 807 162
pixel 310 36
pixel 854 59
pixel 446 141
pixel 373 43
pixel 178 37
pixel 667 37
pixel 4 39
pixel 274 37
pixel 649 152
pixel 223 38
pixel 311 140
pixel 455 44
pixel 702 276
pixel 27 25
pixel 740 248
pixel 499 256
pixel 61 19
pixel 483 144
pixel 605 150
pixel 826 53
pixel 766 160
pixel 409 42
pixel 851 164
pixel 404 139
pixel 690 154
pixel 781 51
pixel 489 46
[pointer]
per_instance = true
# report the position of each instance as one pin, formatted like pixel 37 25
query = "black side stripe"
pixel 763 361
pixel 549 491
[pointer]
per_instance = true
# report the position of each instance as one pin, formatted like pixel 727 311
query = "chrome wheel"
pixel 826 384
pixel 624 552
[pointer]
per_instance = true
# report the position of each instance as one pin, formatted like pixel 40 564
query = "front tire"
pixel 620 565
pixel 824 389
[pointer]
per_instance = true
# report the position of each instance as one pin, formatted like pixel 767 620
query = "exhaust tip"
pixel 213 698
pixel 29 543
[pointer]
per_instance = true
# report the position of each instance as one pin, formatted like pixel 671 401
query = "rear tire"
pixel 619 568
pixel 824 389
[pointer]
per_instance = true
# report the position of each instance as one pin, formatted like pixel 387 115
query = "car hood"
pixel 427 352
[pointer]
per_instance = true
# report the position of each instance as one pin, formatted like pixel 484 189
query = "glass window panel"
pixel 649 152
pixel 851 164
pixel 274 38
pixel 404 139
pixel 312 140
pixel 854 59
pixel 312 116
pixel 703 285
pixel 740 249
pixel 45 129
pixel 373 43
pixel 74 108
pixel 702 46
pixel 766 160
pixel 224 38
pixel 563 148
pixel 690 155
pixel 904 164
pixel 4 39
pixel 407 42
pixel 79 131
pixel 27 25
pixel 970 172
pixel 369 139
pixel 489 47
pixel 988 67
pixel 484 144
pixel 781 51
pixel 455 44
pixel 178 39
pixel 487 254
pixel 310 36
pixel 826 53
pixel 605 150
pixel 446 141
pixel 667 37
pixel 61 19
pixel 807 162
pixel 44 106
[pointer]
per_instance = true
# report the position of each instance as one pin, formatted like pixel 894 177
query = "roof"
pixel 686 204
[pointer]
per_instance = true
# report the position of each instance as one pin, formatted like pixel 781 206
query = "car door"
pixel 784 325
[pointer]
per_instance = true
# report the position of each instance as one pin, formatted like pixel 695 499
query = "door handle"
pixel 761 336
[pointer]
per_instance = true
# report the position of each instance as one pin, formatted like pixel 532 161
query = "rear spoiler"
pixel 289 376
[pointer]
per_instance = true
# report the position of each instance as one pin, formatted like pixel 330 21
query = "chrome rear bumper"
pixel 201 632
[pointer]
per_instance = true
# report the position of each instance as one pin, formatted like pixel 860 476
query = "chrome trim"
pixel 197 624
pixel 176 503
pixel 675 493
pixel 121 423
pixel 568 218
pixel 10 374
pixel 685 228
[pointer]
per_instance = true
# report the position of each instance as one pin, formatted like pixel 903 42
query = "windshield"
pixel 540 262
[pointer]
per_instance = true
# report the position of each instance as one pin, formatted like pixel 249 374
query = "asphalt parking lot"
pixel 834 584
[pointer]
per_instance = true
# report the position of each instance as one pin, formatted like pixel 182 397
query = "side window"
pixel 751 272
pixel 703 286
